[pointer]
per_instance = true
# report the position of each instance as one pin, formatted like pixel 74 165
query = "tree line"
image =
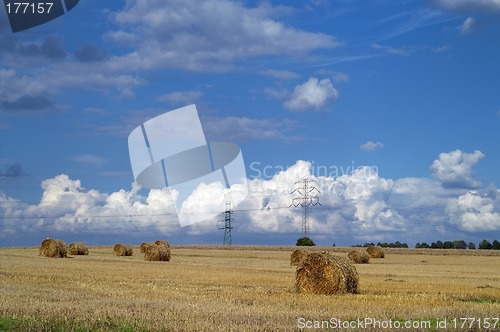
pixel 396 244
pixel 460 244
pixel 457 244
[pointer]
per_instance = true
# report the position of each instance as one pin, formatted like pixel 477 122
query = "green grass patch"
pixel 8 324
pixel 480 300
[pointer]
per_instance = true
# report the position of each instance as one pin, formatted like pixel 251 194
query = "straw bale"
pixel 162 243
pixel 53 248
pixel 157 253
pixel 78 248
pixel 358 256
pixel 123 250
pixel 144 246
pixel 297 257
pixel 375 252
pixel 324 273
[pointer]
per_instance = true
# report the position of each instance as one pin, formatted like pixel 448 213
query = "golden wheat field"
pixel 245 289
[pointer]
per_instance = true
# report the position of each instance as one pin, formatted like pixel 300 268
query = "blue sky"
pixel 408 89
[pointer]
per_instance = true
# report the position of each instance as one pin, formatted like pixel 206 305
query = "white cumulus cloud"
pixel 311 95
pixel 454 169
pixel 473 211
pixel 371 146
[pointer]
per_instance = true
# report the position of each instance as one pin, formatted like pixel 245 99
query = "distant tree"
pixel 305 241
pixel 485 244
pixel 368 244
pixel 448 245
pixel 398 244
pixel 495 245
pixel 472 246
pixel 459 244
pixel 424 245
pixel 437 245
pixel 333 245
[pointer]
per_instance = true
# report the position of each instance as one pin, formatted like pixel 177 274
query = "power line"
pixel 139 215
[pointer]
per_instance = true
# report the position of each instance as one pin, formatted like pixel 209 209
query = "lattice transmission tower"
pixel 305 195
pixel 227 225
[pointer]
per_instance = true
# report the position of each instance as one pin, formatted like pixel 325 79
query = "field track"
pixel 239 288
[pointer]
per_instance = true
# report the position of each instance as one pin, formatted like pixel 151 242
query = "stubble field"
pixel 244 289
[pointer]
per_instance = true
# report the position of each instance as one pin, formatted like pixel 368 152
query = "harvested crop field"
pixel 206 288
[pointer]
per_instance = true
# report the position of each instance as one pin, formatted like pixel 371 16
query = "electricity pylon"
pixel 227 225
pixel 306 196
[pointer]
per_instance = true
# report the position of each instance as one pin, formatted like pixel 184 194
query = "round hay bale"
pixel 375 252
pixel 144 246
pixel 358 257
pixel 53 248
pixel 157 253
pixel 123 250
pixel 297 257
pixel 323 273
pixel 162 243
pixel 78 248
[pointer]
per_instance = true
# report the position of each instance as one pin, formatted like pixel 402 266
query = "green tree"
pixel 459 244
pixel 305 241
pixel 400 245
pixel 485 244
pixel 448 245
pixel 495 245
pixel 437 245
pixel 472 246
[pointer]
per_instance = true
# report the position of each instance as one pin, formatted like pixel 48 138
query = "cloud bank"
pixel 208 35
pixel 357 205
